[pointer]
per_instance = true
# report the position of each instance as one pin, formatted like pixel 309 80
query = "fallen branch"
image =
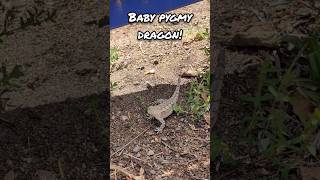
pixel 127 173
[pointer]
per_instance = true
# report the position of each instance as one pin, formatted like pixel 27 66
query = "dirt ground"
pixel 55 126
pixel 182 150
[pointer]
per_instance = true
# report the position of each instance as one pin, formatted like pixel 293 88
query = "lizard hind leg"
pixel 163 124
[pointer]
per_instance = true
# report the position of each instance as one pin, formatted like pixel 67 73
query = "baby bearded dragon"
pixel 165 108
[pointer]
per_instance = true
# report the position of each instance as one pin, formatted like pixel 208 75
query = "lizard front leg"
pixel 163 124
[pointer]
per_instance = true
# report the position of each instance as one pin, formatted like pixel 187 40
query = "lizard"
pixel 164 108
pixel 216 85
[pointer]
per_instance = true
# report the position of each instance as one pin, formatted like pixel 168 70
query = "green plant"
pixel 220 151
pixel 178 109
pixel 202 35
pixel 206 51
pixel 113 86
pixel 286 96
pixel 114 55
pixel 198 96
pixel 7 82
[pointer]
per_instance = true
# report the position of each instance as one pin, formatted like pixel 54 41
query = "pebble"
pixel 113 117
pixel 136 83
pixel 140 68
pixel 136 149
pixel 148 85
pixel 164 138
pixel 153 172
pixel 138 155
pixel 190 73
pixel 150 153
pixel 124 117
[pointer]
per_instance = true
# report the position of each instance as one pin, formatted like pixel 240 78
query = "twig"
pixel 168 146
pixel 131 141
pixel 137 159
pixel 127 173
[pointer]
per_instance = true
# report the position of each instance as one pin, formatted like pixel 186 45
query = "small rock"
pixel 148 85
pixel 136 83
pixel 150 153
pixel 151 71
pixel 153 172
pixel 190 73
pixel 113 117
pixel 164 139
pixel 140 67
pixel 165 162
pixel 178 128
pixel 155 62
pixel 84 68
pixel 138 155
pixel 136 149
pixel 124 118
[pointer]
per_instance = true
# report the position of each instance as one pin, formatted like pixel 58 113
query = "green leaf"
pixel 16 72
pixel 279 96
pixel 312 150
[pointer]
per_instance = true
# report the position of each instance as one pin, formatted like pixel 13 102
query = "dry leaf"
pixel 193 167
pixel 310 173
pixel 167 173
pixel 301 106
pixel 9 176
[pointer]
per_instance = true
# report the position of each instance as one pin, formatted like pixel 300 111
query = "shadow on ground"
pixel 67 138
pixel 180 151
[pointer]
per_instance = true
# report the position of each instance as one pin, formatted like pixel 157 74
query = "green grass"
pixel 114 56
pixel 7 82
pixel 198 96
pixel 201 35
pixel 285 96
pixel 285 111
pixel 113 86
